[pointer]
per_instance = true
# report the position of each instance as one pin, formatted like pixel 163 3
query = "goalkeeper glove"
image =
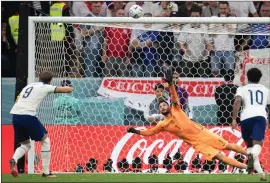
pixel 168 75
pixel 133 130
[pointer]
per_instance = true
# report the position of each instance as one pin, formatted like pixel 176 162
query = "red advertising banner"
pixel 73 145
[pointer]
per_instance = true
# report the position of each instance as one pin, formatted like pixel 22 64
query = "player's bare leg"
pixel 46 157
pixel 20 151
pixel 230 161
pixel 256 150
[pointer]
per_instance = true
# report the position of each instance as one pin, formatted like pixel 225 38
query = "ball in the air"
pixel 135 11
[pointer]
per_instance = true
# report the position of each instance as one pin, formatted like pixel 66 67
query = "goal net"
pixel 116 66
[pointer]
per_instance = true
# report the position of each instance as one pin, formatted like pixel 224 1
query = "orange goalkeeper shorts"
pixel 210 144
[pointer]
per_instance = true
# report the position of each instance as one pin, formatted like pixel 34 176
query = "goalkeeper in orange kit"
pixel 201 139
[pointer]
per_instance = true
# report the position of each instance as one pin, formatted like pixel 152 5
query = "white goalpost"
pixel 104 105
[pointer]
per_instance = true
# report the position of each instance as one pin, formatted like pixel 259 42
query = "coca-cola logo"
pixel 144 147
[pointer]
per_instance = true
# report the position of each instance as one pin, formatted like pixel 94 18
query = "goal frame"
pixel 157 20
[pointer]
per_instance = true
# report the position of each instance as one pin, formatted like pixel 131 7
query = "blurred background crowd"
pixel 97 51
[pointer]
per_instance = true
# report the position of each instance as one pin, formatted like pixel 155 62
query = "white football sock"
pixel 45 155
pixel 257 165
pixel 249 150
pixel 20 151
pixel 256 150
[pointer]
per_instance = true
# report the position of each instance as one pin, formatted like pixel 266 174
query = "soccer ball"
pixel 135 11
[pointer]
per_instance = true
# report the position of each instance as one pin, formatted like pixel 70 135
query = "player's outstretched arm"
pixel 149 132
pixel 169 79
pixel 63 89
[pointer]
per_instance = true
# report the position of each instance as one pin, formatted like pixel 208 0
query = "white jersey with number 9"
pixel 255 98
pixel 30 98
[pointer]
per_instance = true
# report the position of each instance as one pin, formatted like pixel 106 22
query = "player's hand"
pixel 234 125
pixel 133 130
pixel 168 75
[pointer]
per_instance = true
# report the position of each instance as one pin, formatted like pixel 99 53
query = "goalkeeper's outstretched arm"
pixel 149 132
pixel 174 97
pixel 169 79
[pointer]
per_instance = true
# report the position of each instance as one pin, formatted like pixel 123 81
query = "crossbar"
pixel 156 20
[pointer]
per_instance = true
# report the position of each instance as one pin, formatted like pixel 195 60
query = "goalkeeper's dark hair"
pixel 254 75
pixel 45 77
pixel 161 101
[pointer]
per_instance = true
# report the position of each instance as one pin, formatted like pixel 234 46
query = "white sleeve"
pixel 252 8
pixel 239 92
pixel 50 88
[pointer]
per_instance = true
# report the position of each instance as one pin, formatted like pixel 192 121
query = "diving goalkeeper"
pixel 201 139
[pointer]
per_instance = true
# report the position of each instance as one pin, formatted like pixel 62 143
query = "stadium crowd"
pixel 99 51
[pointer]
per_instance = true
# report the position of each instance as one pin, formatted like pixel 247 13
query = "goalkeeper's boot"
pixel 250 165
pixel 12 165
pixel 50 175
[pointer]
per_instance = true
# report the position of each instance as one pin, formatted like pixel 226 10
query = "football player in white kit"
pixel 255 98
pixel 27 126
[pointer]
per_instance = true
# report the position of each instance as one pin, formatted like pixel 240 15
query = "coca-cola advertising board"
pixel 73 145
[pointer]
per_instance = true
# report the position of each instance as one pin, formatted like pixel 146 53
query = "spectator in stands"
pixel 242 9
pixel 146 6
pixel 200 3
pixel 165 39
pixel 261 41
pixel 223 56
pixel 67 108
pixel 265 10
pixel 257 5
pixel 196 48
pixel 185 9
pixel 93 41
pixel 79 9
pixel 61 34
pixel 111 8
pixel 144 43
pixel 224 96
pixel 163 9
pixel 115 49
pixel 211 10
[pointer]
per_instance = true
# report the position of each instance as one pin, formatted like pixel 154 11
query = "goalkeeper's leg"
pixel 230 161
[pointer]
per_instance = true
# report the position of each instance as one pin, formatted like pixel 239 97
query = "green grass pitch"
pixel 136 178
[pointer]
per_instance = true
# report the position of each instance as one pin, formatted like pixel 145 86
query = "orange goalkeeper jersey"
pixel 178 124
